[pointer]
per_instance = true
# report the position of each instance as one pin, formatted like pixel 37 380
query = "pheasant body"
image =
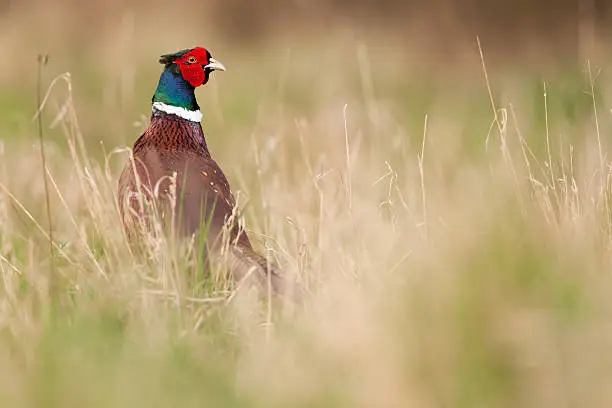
pixel 172 169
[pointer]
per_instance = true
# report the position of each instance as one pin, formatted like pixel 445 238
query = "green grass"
pixel 477 279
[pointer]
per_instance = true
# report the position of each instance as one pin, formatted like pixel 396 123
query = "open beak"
pixel 214 65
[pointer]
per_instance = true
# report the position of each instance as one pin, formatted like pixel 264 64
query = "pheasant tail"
pixel 246 263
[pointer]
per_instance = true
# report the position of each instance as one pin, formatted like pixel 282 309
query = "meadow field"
pixel 449 218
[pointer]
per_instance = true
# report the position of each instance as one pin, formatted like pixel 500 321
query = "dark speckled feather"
pixel 172 146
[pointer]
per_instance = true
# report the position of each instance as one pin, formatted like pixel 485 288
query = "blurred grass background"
pixel 453 238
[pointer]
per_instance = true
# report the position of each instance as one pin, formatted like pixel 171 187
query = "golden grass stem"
pixel 42 61
pixel 422 177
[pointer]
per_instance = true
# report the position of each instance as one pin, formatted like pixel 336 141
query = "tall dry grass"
pixel 452 233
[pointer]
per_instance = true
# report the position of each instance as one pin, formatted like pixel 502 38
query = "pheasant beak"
pixel 214 65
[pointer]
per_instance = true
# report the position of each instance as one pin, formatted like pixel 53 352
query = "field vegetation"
pixel 448 215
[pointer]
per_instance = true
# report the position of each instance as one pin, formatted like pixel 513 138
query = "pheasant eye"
pixel 192 60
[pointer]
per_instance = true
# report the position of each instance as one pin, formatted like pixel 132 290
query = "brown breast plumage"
pixel 173 172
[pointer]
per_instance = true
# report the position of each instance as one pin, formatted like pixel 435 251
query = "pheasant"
pixel 173 175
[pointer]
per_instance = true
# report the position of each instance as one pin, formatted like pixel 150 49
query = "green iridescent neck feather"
pixel 173 90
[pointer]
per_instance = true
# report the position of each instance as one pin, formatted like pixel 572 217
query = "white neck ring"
pixel 193 116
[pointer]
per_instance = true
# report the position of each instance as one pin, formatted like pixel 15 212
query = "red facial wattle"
pixel 193 72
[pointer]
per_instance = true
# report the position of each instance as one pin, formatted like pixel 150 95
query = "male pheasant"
pixel 173 175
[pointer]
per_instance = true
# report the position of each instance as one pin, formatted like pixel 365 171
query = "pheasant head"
pixel 183 72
